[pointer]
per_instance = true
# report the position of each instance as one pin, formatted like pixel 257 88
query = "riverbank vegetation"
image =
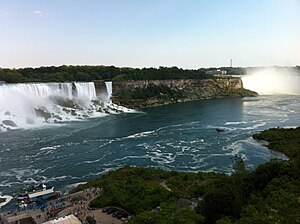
pixel 285 140
pixel 90 73
pixel 268 194
pixel 161 94
pixel 151 95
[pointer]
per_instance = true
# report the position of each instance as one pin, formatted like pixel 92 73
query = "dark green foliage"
pixel 220 202
pixel 134 189
pixel 282 140
pixel 279 204
pixel 162 73
pixel 138 189
pixel 192 184
pixel 267 172
pixel 90 73
pixel 236 93
pixel 274 186
pixel 168 214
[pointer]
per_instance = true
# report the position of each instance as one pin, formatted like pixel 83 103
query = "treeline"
pixel 90 73
pixel 163 73
pixel 269 194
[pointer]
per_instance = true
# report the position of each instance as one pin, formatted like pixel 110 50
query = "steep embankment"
pixel 149 93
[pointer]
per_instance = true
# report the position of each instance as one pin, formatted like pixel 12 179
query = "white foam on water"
pixel 290 127
pixel 19 174
pixel 255 126
pixel 50 147
pixel 140 135
pixel 236 122
pixel 131 157
pixel 72 186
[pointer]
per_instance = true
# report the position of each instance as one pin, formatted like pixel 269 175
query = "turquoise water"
pixel 179 137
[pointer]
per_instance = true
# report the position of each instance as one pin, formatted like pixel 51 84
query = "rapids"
pixel 179 137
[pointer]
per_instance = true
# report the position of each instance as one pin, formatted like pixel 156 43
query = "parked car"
pixel 111 210
pixel 91 220
pixel 105 209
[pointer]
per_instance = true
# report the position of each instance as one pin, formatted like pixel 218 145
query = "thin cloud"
pixel 38 13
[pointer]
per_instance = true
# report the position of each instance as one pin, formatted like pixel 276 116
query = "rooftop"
pixel 40 193
pixel 70 219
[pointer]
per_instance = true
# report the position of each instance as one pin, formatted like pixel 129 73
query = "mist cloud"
pixel 273 81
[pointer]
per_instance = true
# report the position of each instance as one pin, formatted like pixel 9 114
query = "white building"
pixel 69 219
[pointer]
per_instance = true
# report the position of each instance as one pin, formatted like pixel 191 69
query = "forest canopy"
pixel 89 73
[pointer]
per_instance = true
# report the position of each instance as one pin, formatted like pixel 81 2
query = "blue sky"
pixel 149 33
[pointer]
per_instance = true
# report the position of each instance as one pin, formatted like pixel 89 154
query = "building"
pixel 44 194
pixel 69 219
pixel 216 72
pixel 22 218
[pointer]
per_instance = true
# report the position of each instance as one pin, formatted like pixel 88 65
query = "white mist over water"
pixel 273 81
pixel 34 104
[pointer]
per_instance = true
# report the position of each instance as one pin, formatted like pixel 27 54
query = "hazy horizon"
pixel 190 34
pixel 249 68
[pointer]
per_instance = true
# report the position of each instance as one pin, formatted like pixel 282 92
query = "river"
pixel 180 137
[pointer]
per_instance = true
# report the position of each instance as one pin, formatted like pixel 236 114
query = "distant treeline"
pixel 89 73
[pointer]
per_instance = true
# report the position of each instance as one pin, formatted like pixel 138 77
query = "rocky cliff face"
pixel 100 87
pixel 234 83
pixel 124 92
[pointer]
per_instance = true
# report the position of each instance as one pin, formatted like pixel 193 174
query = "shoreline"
pixel 280 140
pixel 157 103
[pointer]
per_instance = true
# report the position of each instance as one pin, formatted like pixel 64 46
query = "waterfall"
pixel 273 81
pixel 37 89
pixel 86 89
pixel 34 104
pixel 108 90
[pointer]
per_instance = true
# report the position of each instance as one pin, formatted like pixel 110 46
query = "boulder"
pixel 7 113
pixel 42 113
pixel 9 123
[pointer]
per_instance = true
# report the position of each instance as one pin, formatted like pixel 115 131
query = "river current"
pixel 180 137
